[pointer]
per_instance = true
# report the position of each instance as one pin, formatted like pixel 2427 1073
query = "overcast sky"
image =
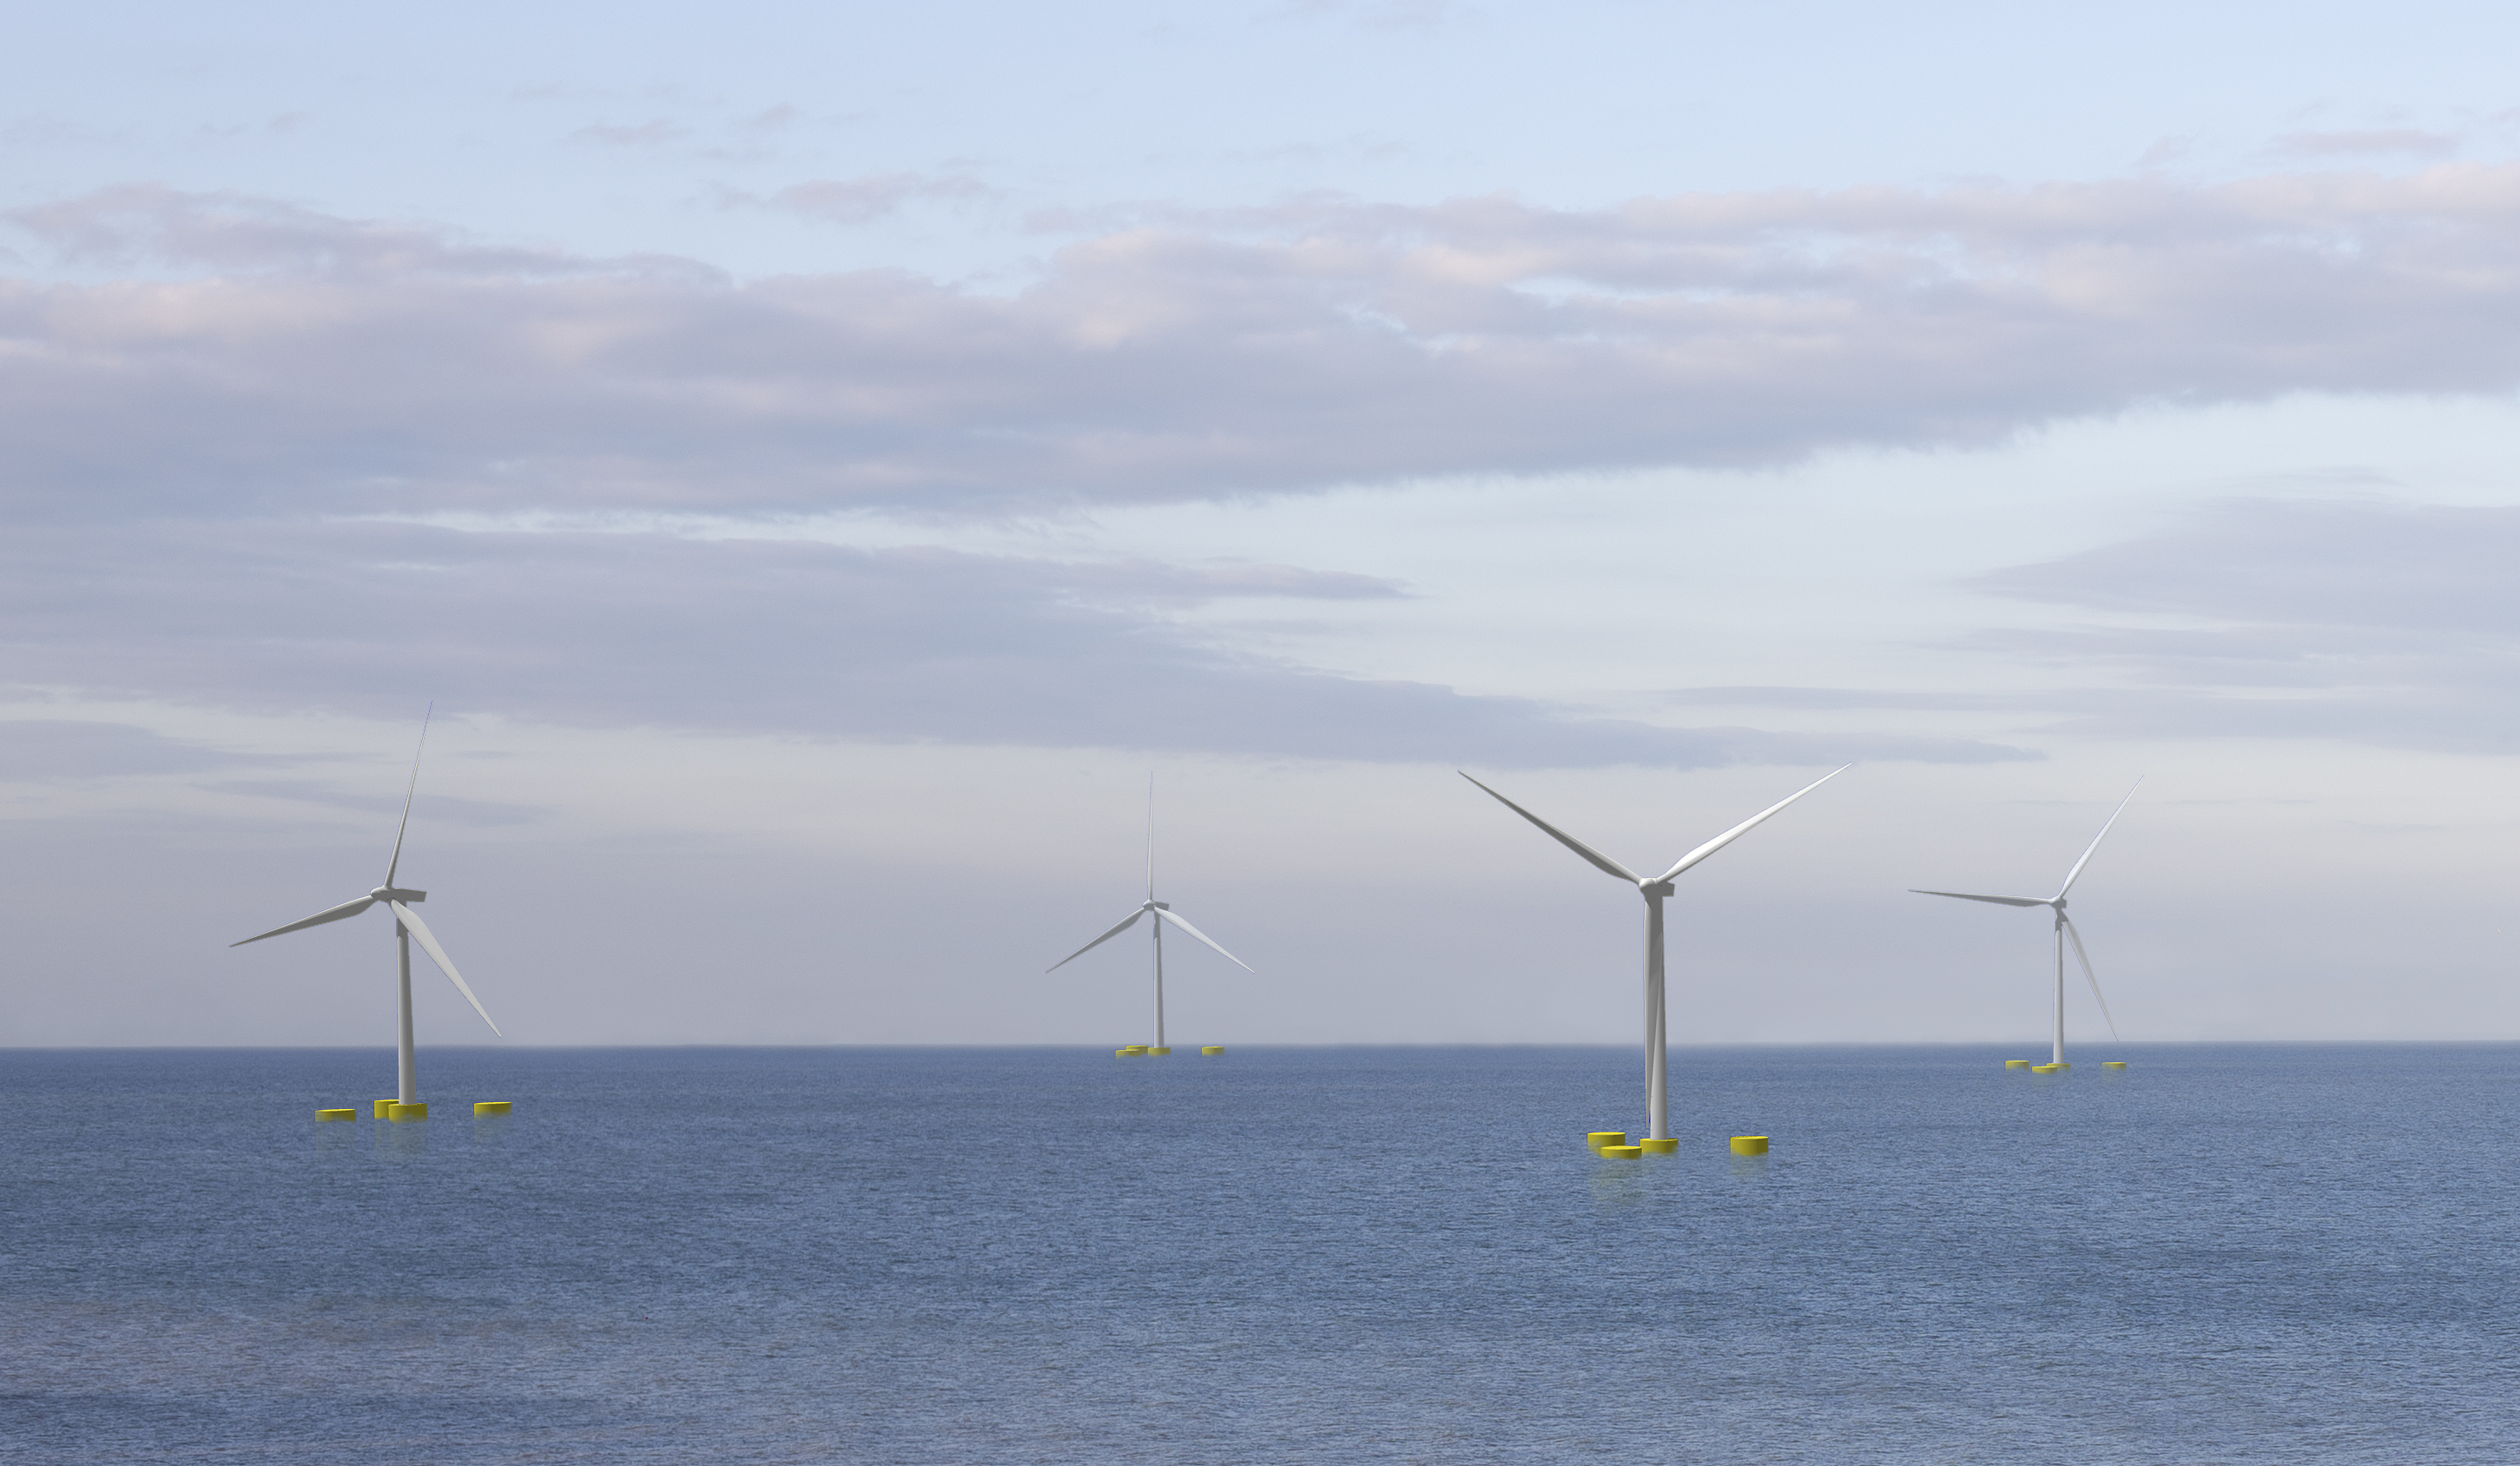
pixel 820 461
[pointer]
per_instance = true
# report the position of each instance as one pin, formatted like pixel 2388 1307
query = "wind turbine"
pixel 2064 930
pixel 406 925
pixel 1162 912
pixel 1654 888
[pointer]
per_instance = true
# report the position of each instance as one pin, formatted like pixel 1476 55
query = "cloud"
pixel 285 246
pixel 59 749
pixel 2389 624
pixel 301 363
pixel 1427 15
pixel 2404 141
pixel 859 201
pixel 766 637
pixel 654 133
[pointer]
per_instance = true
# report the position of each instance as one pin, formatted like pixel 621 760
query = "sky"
pixel 821 464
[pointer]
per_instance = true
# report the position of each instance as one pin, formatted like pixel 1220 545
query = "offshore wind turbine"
pixel 2064 930
pixel 1161 912
pixel 1654 888
pixel 406 925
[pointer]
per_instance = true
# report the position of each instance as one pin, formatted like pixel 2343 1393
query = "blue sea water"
pixel 2244 1253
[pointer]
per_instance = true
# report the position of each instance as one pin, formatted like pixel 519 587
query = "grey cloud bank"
pixel 2382 623
pixel 277 360
pixel 756 636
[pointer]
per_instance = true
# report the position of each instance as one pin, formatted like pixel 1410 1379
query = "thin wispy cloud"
pixel 2407 142
pixel 655 132
pixel 859 201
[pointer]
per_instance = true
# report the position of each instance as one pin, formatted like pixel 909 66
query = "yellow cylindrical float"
pixel 1213 1049
pixel 1749 1145
pixel 337 1115
pixel 1623 1152
pixel 1131 1052
pixel 405 1114
pixel 1600 1138
pixel 2017 1064
pixel 2113 1064
pixel 1663 1147
pixel 384 1108
pixel 1154 1051
pixel 2047 1069
pixel 490 1107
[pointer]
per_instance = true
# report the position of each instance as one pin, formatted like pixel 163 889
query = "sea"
pixel 2279 1253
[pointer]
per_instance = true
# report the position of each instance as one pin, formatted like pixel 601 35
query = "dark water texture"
pixel 2247 1254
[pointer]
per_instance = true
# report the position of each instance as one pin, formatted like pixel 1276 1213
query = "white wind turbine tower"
pixel 1654 888
pixel 1162 912
pixel 2064 930
pixel 406 925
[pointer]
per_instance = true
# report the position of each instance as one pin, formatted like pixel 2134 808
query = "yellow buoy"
pixel 1213 1049
pixel 490 1107
pixel 337 1115
pixel 1663 1147
pixel 1159 1051
pixel 1131 1052
pixel 1623 1152
pixel 2017 1064
pixel 2113 1064
pixel 2047 1069
pixel 1600 1138
pixel 1749 1145
pixel 384 1108
pixel 404 1114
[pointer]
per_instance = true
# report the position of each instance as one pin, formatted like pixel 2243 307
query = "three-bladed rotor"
pixel 1161 911
pixel 395 897
pixel 2064 924
pixel 1646 884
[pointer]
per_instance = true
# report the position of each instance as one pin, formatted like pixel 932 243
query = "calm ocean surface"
pixel 2243 1253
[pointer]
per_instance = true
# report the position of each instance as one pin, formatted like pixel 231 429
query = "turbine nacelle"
pixel 393 894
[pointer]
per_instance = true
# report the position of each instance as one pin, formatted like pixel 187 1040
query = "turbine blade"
pixel 341 912
pixel 395 863
pixel 1747 825
pixel 2076 873
pixel 1600 862
pixel 1962 896
pixel 437 955
pixel 1150 834
pixel 1174 917
pixel 1099 941
pixel 2095 977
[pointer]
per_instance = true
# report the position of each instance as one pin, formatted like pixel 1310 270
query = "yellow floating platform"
pixel 1155 1051
pixel 2047 1068
pixel 490 1107
pixel 1131 1052
pixel 1623 1152
pixel 1213 1049
pixel 1600 1138
pixel 1749 1145
pixel 1664 1147
pixel 384 1108
pixel 2017 1064
pixel 337 1115
pixel 406 1114
pixel 2113 1064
